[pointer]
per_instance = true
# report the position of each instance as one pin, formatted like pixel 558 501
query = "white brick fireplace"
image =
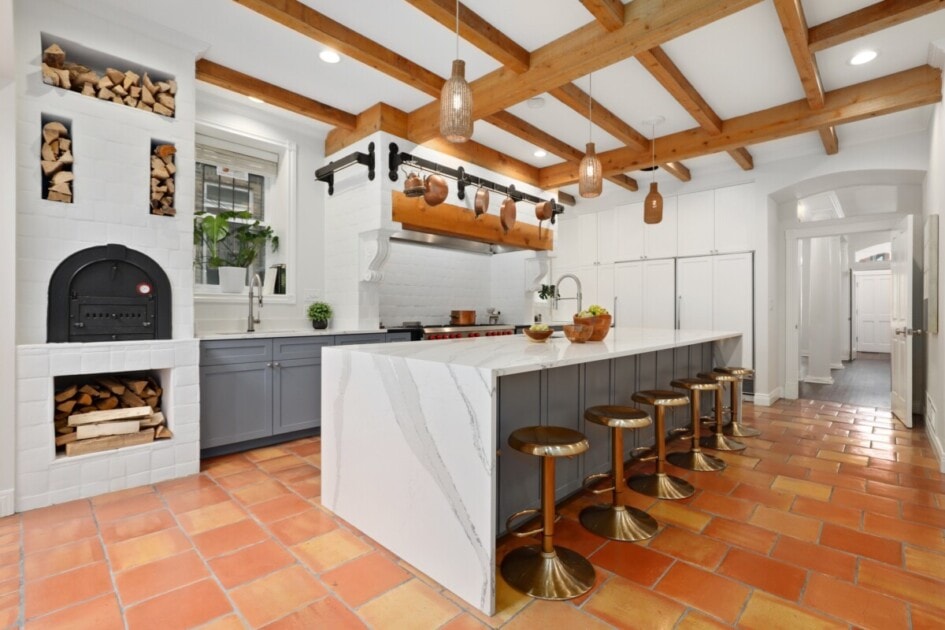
pixel 111 146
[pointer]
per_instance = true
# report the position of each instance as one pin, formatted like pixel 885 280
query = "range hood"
pixel 450 242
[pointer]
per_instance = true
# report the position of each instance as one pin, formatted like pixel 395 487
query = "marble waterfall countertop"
pixel 514 354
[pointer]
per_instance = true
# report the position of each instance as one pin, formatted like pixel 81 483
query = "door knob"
pixel 913 331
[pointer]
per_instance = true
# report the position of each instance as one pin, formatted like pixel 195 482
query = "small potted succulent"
pixel 598 317
pixel 319 313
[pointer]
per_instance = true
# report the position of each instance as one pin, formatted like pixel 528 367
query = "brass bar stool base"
pixel 737 429
pixel 661 486
pixel 623 523
pixel 697 461
pixel 719 442
pixel 561 574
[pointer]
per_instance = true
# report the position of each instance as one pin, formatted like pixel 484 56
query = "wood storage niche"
pixel 163 170
pixel 55 158
pixel 102 412
pixel 77 68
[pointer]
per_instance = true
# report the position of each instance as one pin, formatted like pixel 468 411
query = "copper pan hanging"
pixel 481 205
pixel 435 190
pixel 544 210
pixel 507 214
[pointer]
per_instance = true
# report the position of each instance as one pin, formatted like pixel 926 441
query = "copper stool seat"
pixel 547 571
pixel 735 428
pixel 617 521
pixel 659 484
pixel 695 459
pixel 718 441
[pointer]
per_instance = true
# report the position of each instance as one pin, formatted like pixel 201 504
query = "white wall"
pixel 301 242
pixel 7 258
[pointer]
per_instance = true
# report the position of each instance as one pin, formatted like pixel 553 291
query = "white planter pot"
pixel 232 279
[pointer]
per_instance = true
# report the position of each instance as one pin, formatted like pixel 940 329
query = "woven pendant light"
pixel 590 175
pixel 653 204
pixel 456 124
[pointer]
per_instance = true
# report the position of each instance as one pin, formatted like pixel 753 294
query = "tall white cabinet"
pixel 645 292
pixel 715 221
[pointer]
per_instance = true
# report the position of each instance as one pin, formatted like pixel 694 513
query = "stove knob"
pixel 473 334
pixel 456 336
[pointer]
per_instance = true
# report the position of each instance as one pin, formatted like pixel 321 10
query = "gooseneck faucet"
pixel 252 320
pixel 557 296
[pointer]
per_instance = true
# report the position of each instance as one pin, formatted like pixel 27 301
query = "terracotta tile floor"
pixel 833 518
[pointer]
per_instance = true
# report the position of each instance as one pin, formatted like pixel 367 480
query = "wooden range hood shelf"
pixel 456 221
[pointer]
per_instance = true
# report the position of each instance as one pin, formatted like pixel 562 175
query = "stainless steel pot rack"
pixel 398 158
pixel 327 173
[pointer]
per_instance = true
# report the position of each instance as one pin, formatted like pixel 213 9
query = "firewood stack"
pixel 56 154
pixel 108 412
pixel 162 180
pixel 125 88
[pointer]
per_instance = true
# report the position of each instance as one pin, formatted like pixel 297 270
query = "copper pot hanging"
pixel 481 205
pixel 435 190
pixel 413 186
pixel 544 210
pixel 507 214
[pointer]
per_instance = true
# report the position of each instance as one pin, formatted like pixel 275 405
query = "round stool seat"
pixel 548 441
pixel 660 398
pixel 719 377
pixel 695 384
pixel 618 417
pixel 737 371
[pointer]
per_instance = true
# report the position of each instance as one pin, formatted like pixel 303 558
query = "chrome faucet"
pixel 557 296
pixel 251 320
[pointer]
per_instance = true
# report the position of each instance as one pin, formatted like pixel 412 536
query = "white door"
pixel 659 293
pixel 900 322
pixel 694 293
pixel 873 293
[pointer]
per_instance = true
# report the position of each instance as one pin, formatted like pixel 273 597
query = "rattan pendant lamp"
pixel 456 124
pixel 590 175
pixel 653 204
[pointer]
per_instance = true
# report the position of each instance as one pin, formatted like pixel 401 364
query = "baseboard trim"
pixel 768 399
pixel 820 380
pixel 836 366
pixel 937 447
pixel 7 504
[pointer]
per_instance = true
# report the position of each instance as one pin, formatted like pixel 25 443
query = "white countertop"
pixel 299 332
pixel 513 354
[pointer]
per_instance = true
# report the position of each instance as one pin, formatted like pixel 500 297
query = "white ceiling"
pixel 739 64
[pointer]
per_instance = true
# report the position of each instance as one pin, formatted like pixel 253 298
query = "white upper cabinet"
pixel 715 221
pixel 733 218
pixel 606 236
pixel 637 240
pixel 566 243
pixel 587 239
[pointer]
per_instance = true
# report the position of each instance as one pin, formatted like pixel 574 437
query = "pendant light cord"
pixel 590 106
pixel 653 151
pixel 457 29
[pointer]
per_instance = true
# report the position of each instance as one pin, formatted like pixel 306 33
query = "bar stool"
pixel 617 521
pixel 661 485
pixel 695 459
pixel 735 427
pixel 547 571
pixel 718 440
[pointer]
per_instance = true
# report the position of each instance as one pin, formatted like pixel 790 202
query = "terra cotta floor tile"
pixel 327 612
pixel 155 578
pixel 710 593
pixel 864 608
pixel 776 577
pixel 216 542
pixel 766 612
pixel 327 551
pixel 410 605
pixel 182 608
pixel 364 578
pixel 634 562
pixel 250 563
pixel 816 557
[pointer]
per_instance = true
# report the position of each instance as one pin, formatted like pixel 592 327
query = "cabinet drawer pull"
pixel 269 364
pixel 276 364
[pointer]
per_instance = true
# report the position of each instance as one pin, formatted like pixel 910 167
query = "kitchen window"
pixel 238 177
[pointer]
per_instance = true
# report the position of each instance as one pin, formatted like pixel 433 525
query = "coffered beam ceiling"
pixel 794 24
pixel 221 76
pixel 885 95
pixel 867 20
pixel 609 13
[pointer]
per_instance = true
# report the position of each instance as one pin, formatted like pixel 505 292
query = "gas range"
pixel 460 332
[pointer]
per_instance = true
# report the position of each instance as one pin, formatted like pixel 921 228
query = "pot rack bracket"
pixel 327 173
pixel 397 158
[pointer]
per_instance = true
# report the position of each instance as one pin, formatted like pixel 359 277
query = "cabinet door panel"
pixel 587 239
pixel 605 287
pixel 588 276
pixel 606 236
pixel 628 288
pixel 235 403
pixel 733 305
pixel 629 221
pixel 298 395
pixel 597 388
pixel 660 238
pixel 299 347
pixel 566 244
pixel 659 293
pixel 351 340
pixel 519 406
pixel 564 408
pixel 235 351
pixel 695 293
pixel 695 215
pixel 733 218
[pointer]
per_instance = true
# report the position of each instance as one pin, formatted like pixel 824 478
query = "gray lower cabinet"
pixel 351 340
pixel 297 383
pixel 235 403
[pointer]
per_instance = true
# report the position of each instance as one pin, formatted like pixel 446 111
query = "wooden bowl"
pixel 537 335
pixel 600 324
pixel 578 333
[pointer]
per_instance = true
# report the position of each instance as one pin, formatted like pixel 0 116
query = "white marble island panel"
pixel 409 440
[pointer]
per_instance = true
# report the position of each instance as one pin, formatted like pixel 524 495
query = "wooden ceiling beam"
pixel 647 23
pixel 379 117
pixel 580 101
pixel 309 22
pixel 867 20
pixel 668 74
pixel 677 170
pixel 529 133
pixel 609 13
pixel 229 79
pixel 794 25
pixel 486 157
pixel 886 95
pixel 478 32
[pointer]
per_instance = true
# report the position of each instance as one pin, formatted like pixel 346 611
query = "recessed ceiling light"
pixel 255 99
pixel 536 102
pixel 864 56
pixel 540 153
pixel 329 56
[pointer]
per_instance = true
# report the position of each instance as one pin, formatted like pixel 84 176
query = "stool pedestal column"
pixel 718 441
pixel 735 428
pixel 695 459
pixel 660 484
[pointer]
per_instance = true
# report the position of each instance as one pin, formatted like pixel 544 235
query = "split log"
pixel 135 385
pixel 130 399
pixel 66 394
pixel 161 109
pixel 162 433
pixel 105 94
pixel 64 177
pixel 53 130
pixel 55 195
pixel 65 438
pixel 89 431
pixel 112 384
pixel 144 106
pixel 116 76
pixel 130 413
pixel 109 443
pixel 130 79
pixel 83 399
pixel 88 89
pixel 54 56
pixel 105 404
pixel 156 419
pixel 104 83
pixel 66 407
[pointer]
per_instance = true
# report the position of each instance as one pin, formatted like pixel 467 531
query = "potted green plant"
pixel 230 241
pixel 546 292
pixel 319 313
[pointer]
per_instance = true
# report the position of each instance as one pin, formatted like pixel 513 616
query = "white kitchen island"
pixel 411 433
